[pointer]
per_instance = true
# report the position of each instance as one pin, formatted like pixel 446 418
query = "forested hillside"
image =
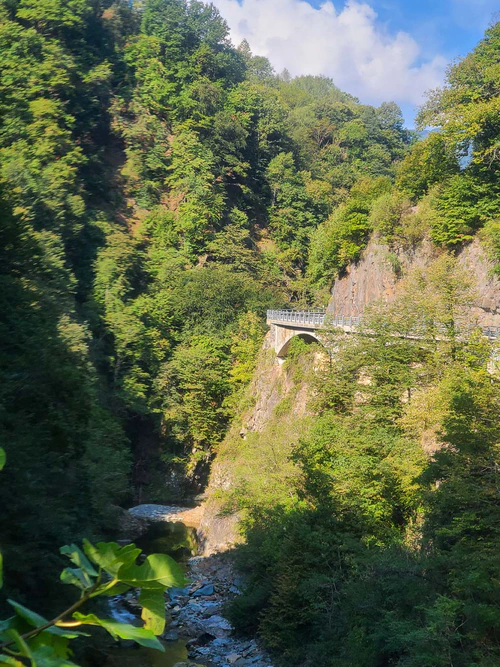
pixel 160 188
pixel 370 519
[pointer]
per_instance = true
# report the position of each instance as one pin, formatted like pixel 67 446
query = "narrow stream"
pixel 178 541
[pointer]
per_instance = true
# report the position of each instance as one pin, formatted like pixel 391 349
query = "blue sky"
pixel 451 27
pixel 375 49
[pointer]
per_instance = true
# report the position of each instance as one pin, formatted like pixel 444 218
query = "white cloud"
pixel 350 45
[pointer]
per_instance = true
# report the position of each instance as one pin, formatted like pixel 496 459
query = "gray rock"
pixel 218 626
pixel 232 658
pixel 249 650
pixel 175 593
pixel 204 590
pixel 171 636
pixel 210 609
pixel 202 640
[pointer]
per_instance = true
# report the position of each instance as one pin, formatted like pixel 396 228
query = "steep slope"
pixel 278 408
pixel 253 460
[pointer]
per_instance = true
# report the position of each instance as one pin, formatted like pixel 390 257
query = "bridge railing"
pixel 311 317
pixel 318 318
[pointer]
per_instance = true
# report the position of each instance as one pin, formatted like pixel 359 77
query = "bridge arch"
pixel 308 336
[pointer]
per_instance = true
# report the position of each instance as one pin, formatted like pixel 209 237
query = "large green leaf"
pixel 9 660
pixel 3 458
pixel 36 621
pixel 46 656
pixel 117 630
pixel 153 609
pixel 76 556
pixel 158 570
pixel 58 645
pixel 76 577
pixel 110 556
pixel 31 617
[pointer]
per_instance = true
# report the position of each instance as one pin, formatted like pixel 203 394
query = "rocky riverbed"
pixel 195 614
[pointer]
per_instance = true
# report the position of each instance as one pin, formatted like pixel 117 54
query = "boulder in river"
pixel 175 593
pixel 208 589
pixel 218 626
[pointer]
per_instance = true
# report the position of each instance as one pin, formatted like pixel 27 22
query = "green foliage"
pixel 246 343
pixel 343 236
pixel 386 216
pixel 193 182
pixel 381 549
pixel 466 112
pixel 196 385
pixel 103 569
pixel 461 206
pixel 490 235
pixel 429 161
pixel 467 107
pixel 299 204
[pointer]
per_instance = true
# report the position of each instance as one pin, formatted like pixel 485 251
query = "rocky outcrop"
pixel 189 516
pixel 259 440
pixel 218 530
pixel 487 304
pixel 376 275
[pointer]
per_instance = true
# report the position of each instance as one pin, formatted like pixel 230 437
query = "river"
pixel 199 633
pixel 176 540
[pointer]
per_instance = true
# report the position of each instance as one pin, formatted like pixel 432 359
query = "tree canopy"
pixel 161 188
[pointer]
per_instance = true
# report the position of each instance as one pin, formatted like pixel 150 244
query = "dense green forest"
pixel 159 189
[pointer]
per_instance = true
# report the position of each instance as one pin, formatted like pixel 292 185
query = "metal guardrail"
pixel 311 317
pixel 317 318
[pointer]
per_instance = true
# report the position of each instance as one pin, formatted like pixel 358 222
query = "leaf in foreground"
pixel 158 570
pixel 152 602
pixel 142 636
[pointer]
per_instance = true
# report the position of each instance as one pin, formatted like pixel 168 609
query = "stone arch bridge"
pixel 311 324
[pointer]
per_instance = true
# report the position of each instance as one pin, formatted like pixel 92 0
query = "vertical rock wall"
pixel 374 277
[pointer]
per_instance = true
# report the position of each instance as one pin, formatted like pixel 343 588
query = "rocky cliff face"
pixel 376 276
pixel 254 455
